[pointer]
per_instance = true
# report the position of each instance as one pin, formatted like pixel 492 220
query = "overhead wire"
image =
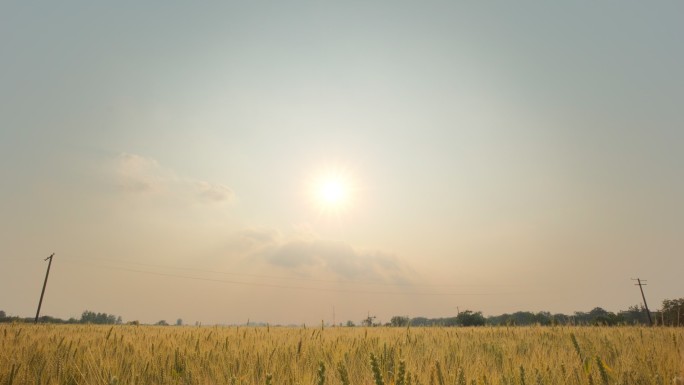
pixel 360 282
pixel 271 285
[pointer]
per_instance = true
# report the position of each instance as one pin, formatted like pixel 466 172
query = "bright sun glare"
pixel 332 191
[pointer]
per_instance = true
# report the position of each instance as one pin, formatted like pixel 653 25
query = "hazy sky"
pixel 497 157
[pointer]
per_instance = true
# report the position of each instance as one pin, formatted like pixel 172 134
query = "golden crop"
pixel 89 354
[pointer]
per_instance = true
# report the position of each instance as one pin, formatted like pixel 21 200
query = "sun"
pixel 333 191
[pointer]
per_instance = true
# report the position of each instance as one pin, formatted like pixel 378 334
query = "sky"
pixel 298 162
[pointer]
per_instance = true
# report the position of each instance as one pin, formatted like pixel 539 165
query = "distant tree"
pixel 350 324
pixel 520 318
pixel 136 323
pixel 46 319
pixel 399 321
pixel 673 312
pixel 523 318
pixel 581 318
pixel 420 321
pixel 497 319
pixel 635 315
pixel 368 321
pixel 99 318
pixel 162 323
pixel 598 312
pixel 179 322
pixel 2 314
pixel 560 319
pixel 469 318
pixel 449 321
pixel 88 317
pixel 543 318
pixel 600 316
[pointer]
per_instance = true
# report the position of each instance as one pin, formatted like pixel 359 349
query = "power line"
pixel 117 261
pixel 288 286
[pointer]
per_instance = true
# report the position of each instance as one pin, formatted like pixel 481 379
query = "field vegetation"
pixel 124 354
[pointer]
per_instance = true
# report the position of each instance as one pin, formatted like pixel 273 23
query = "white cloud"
pixel 313 256
pixel 137 174
pixel 260 236
pixel 215 192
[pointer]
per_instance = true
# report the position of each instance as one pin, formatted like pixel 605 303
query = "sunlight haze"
pixel 270 161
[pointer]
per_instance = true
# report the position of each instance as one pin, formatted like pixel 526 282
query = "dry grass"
pixel 77 354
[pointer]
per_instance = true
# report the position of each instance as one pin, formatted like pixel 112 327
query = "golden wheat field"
pixel 88 354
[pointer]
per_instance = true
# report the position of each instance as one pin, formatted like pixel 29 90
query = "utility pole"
pixel 42 293
pixel 641 283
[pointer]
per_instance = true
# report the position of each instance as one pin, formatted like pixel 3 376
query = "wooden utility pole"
pixel 42 293
pixel 641 283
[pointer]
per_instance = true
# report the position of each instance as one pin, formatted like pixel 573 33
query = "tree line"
pixel 670 314
pixel 87 317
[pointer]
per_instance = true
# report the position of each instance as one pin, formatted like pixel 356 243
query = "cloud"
pixel 215 192
pixel 313 256
pixel 253 241
pixel 138 174
pixel 260 236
